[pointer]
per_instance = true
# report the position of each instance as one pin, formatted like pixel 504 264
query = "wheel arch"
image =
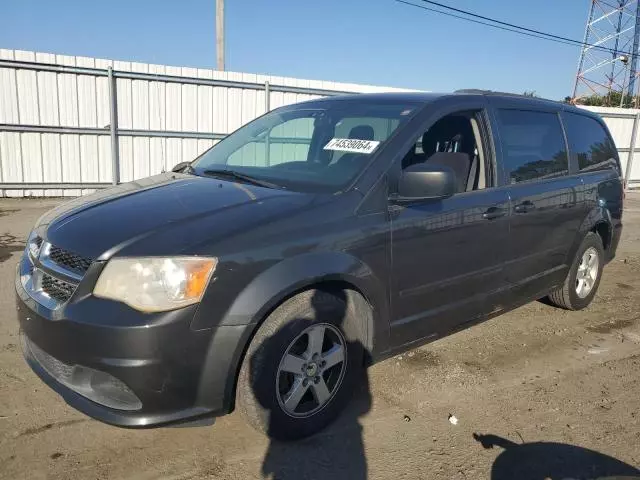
pixel 599 221
pixel 354 294
pixel 603 229
pixel 330 272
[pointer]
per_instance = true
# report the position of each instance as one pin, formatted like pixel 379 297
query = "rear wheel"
pixel 301 366
pixel 583 278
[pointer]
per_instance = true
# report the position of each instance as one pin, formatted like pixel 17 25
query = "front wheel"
pixel 583 278
pixel 301 366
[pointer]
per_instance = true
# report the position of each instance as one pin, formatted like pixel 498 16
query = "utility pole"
pixel 220 34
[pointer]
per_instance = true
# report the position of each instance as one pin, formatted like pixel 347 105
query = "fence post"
pixel 267 140
pixel 267 97
pixel 113 116
pixel 632 150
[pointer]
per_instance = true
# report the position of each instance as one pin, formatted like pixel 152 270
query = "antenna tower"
pixel 609 58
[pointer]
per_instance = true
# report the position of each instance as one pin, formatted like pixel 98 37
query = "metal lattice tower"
pixel 609 58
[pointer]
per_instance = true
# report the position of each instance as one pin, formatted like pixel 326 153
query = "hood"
pixel 104 223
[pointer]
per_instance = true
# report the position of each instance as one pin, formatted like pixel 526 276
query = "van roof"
pixel 427 97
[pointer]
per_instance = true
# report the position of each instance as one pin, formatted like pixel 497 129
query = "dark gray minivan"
pixel 315 240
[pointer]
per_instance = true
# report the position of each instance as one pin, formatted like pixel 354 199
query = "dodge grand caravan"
pixel 315 240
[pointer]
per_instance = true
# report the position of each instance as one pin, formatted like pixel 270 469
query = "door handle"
pixel 493 212
pixel 524 207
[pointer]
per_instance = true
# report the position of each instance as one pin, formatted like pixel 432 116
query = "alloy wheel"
pixel 587 272
pixel 311 370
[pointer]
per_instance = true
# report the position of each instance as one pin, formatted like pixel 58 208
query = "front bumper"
pixel 175 373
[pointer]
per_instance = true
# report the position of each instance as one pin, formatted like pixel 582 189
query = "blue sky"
pixel 378 42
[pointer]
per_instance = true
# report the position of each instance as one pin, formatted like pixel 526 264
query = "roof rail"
pixel 490 92
pixel 472 90
pixel 478 91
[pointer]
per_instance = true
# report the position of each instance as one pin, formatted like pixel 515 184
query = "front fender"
pixel 275 284
pixel 265 292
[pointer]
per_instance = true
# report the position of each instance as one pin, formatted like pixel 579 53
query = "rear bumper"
pixel 96 353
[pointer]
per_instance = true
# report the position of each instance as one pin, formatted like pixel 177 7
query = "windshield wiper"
pixel 230 174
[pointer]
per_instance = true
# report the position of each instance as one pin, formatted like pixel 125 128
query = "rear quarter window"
pixel 533 145
pixel 590 143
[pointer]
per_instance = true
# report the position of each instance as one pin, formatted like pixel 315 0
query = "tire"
pixel 260 393
pixel 567 296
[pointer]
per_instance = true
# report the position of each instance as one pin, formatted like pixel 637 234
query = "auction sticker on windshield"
pixel 352 145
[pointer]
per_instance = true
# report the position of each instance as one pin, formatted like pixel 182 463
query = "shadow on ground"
pixel 7 211
pixel 8 245
pixel 336 453
pixel 542 460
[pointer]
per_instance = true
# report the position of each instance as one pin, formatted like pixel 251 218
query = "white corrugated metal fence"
pixel 55 121
pixel 624 126
pixel 56 116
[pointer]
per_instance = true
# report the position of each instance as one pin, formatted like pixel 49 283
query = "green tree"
pixel 611 99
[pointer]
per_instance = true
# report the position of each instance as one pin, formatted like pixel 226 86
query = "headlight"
pixel 155 284
pixel 34 243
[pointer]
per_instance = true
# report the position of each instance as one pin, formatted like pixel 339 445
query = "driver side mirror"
pixel 180 167
pixel 424 181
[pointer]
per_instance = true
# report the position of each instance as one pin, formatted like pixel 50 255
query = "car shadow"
pixel 337 452
pixel 541 460
pixel 546 301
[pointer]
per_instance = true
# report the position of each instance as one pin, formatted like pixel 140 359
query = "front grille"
pixel 69 260
pixel 56 288
pixel 50 274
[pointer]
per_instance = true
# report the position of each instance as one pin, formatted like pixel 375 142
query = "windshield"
pixel 308 147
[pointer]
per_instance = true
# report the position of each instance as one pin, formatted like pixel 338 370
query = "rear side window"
pixel 589 141
pixel 532 145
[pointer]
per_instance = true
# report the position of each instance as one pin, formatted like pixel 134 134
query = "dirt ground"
pixel 538 393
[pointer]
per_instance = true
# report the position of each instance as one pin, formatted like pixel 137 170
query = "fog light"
pixel 111 392
pixel 95 385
